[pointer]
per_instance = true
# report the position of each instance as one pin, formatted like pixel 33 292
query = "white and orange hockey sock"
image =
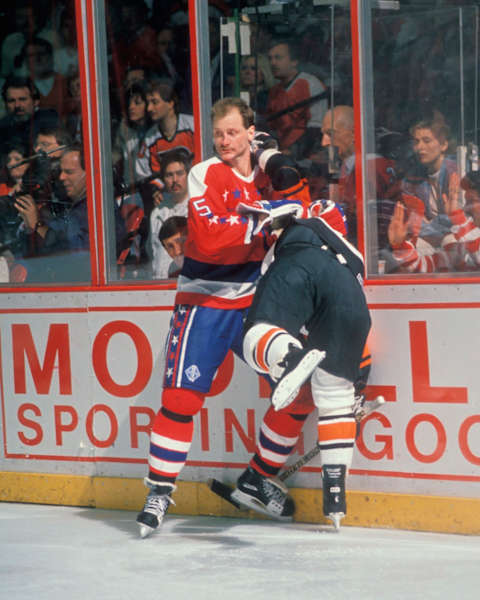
pixel 265 345
pixel 334 398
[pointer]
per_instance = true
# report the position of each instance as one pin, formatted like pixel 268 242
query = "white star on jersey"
pixel 233 220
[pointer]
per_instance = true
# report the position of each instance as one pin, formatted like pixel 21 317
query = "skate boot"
pixel 298 364
pixel 263 494
pixel 156 505
pixel 334 504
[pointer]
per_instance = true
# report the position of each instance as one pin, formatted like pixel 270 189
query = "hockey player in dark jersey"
pixel 223 254
pixel 313 287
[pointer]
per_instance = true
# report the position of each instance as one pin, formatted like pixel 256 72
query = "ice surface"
pixel 57 553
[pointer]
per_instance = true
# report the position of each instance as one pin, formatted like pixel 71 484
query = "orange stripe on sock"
pixel 336 431
pixel 365 362
pixel 262 344
pixel 366 357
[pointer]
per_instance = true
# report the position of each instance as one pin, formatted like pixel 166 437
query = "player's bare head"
pixel 338 130
pixel 223 107
pixel 342 117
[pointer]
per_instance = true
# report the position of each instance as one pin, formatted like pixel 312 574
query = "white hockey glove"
pixel 270 212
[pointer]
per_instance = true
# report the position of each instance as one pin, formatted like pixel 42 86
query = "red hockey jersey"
pixel 291 126
pixel 155 144
pixel 222 257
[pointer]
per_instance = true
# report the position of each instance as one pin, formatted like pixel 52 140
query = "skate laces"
pixel 273 492
pixel 157 504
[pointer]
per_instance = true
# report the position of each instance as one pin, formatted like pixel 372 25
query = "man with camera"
pixel 64 239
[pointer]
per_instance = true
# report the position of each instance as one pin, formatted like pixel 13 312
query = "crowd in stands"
pixel 426 215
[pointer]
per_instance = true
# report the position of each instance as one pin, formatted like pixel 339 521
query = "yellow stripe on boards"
pixel 381 510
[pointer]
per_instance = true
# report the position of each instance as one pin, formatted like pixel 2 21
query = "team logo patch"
pixel 192 373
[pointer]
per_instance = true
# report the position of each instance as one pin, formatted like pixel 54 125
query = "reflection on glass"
pixel 44 230
pixel 152 129
pixel 307 51
pixel 425 112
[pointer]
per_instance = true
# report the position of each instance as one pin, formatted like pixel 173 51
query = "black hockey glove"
pixel 263 141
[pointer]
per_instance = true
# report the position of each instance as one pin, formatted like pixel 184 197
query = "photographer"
pixel 36 176
pixel 64 239
pixel 50 143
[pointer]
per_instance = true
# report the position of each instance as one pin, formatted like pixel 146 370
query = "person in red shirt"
pixel 296 105
pixel 171 129
pixel 224 250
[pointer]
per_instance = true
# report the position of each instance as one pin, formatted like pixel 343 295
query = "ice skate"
pixel 263 494
pixel 298 364
pixel 334 503
pixel 156 506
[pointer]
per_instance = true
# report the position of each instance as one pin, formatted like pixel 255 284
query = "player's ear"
pixel 251 132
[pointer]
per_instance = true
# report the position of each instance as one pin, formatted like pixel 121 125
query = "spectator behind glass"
pixel 10 182
pixel 65 47
pixel 470 184
pixel 172 236
pixel 338 135
pixel 172 201
pixel 256 79
pixel 11 175
pixel 37 177
pixel 29 22
pixel 24 117
pixel 166 51
pixel 53 141
pixel 135 39
pixel 36 60
pixel 128 177
pixel 172 47
pixel 458 250
pixel 60 245
pixel 296 127
pixel 73 107
pixel 135 74
pixel 131 133
pixel 430 178
pixel 170 129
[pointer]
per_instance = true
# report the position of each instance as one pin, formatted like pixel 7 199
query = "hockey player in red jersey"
pixel 223 254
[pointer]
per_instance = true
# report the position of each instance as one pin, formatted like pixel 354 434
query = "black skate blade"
pixel 249 503
pixel 224 491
